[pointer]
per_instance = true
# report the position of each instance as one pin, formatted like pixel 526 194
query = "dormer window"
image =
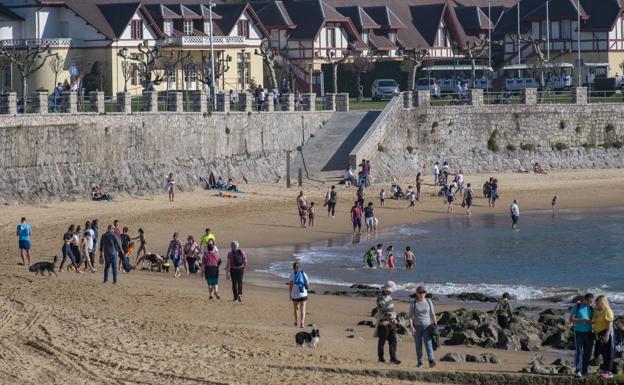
pixel 136 30
pixel 206 27
pixel 392 36
pixel 331 37
pixel 365 37
pixel 442 36
pixel 243 28
pixel 187 27
pixel 168 28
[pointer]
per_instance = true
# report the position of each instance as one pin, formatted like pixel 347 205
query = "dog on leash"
pixel 310 339
pixel 42 267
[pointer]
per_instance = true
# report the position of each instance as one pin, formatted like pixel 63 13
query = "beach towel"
pixel 301 281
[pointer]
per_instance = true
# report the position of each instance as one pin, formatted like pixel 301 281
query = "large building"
pixel 89 35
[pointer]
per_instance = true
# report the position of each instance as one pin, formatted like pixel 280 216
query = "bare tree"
pixel 56 64
pixel 269 56
pixel 334 61
pixel 542 64
pixel 27 60
pixel 412 61
pixel 150 63
pixel 126 72
pixel 204 68
pixel 360 65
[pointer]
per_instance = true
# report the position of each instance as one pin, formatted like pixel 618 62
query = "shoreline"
pixel 251 342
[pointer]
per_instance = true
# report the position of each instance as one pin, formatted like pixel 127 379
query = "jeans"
pixel 331 208
pixel 583 342
pixel 607 351
pixel 423 336
pixel 236 275
pixel 385 333
pixel 67 251
pixel 110 262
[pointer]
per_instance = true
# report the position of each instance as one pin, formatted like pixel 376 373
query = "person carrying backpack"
pixel 235 268
pixel 581 319
pixel 423 325
pixel 298 287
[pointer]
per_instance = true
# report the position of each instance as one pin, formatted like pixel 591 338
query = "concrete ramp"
pixel 327 154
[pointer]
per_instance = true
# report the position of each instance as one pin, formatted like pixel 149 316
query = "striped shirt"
pixel 385 309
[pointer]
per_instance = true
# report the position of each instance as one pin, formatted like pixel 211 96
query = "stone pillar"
pixel 40 103
pixel 309 102
pixel 200 102
pixel 124 102
pixel 330 102
pixel 150 101
pixel 288 102
pixel 476 97
pixel 69 102
pixel 174 102
pixel 421 99
pixel 342 102
pixel 9 104
pixel 270 103
pixel 579 95
pixel 407 99
pixel 97 102
pixel 245 101
pixel 529 96
pixel 223 102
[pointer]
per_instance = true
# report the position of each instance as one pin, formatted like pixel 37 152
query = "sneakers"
pixel 382 360
pixel 420 365
pixel 432 364
pixel 606 375
pixel 395 362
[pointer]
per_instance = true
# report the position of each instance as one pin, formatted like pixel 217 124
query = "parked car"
pixel 384 89
pixel 428 84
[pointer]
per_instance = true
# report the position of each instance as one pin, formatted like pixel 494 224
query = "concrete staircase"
pixel 327 154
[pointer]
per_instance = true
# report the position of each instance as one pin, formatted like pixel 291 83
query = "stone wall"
pixel 61 156
pixel 555 135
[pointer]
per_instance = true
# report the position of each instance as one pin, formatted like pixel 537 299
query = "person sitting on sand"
pixel 98 195
pixel 503 312
pixel 538 169
pixel 230 186
pixel 220 184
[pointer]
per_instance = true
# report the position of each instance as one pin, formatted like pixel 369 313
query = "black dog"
pixel 310 339
pixel 41 267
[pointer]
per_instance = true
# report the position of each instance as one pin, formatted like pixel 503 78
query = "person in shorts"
pixel 369 217
pixel 298 287
pixel 174 253
pixel 409 257
pixel 514 210
pixel 468 198
pixel 23 233
pixel 356 218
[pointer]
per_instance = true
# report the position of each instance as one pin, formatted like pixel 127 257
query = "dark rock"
pixel 490 358
pixel 349 330
pixel 472 358
pixel 366 293
pixel 366 323
pixel 350 336
pixel 466 337
pixel 489 331
pixel 559 338
pixel 528 309
pixel 550 321
pixel 477 297
pixel 618 365
pixel 551 311
pixel 453 357
pixel 364 287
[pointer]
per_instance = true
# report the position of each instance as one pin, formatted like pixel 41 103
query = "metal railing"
pixel 451 99
pixel 605 97
pixel 555 97
pixel 507 97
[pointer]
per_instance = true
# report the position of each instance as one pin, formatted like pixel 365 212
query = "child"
pixel 369 257
pixel 412 199
pixel 142 244
pixel 382 197
pixel 379 255
pixel 554 204
pixel 86 247
pixel 390 257
pixel 311 215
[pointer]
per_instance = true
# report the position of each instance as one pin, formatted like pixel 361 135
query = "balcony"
pixel 58 42
pixel 186 41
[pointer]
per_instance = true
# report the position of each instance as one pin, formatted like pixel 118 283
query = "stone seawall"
pixel 560 136
pixel 62 156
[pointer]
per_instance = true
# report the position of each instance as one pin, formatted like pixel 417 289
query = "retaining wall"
pixel 61 156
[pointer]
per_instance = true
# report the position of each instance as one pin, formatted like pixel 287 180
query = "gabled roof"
pixel 385 17
pixel 7 15
pixel 161 12
pixel 557 9
pixel 185 11
pixel 230 13
pixel 602 14
pixel 118 16
pixel 472 18
pixel 311 15
pixel 360 19
pixel 427 19
pixel 378 41
pixel 273 14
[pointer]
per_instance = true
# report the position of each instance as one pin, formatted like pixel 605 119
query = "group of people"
pixel 374 257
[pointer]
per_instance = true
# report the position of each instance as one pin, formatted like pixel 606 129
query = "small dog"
pixel 311 339
pixel 41 267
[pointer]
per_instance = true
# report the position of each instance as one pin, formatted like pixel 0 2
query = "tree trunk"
pixel 473 72
pixel 360 88
pixel 271 66
pixel 24 88
pixel 335 76
pixel 412 80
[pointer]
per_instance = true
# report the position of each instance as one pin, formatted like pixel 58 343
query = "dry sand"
pixel 152 328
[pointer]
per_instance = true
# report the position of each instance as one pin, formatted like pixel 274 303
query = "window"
pixel 442 36
pixel 168 28
pixel 365 37
pixel 275 38
pixel 207 27
pixel 392 36
pixel 190 77
pixel 331 37
pixel 243 28
pixel 136 30
pixel 535 33
pixel 554 30
pixel 170 78
pixel 6 78
pixel 188 27
pixel 566 32
pixel 243 67
pixel 134 74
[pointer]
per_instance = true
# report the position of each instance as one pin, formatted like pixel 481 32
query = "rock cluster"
pixel 485 358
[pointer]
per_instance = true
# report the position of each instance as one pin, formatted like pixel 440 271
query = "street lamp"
pixel 212 71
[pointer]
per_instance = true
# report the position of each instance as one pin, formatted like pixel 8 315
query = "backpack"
pixel 239 259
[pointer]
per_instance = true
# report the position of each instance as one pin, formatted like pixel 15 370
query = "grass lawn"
pixel 367 104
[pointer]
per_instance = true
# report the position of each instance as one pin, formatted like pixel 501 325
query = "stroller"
pixel 397 192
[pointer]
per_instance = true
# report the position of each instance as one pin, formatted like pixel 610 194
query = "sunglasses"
pixel 421 292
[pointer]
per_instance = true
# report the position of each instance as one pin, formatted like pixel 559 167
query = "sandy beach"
pixel 152 328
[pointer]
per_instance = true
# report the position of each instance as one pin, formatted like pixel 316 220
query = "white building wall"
pixel 148 33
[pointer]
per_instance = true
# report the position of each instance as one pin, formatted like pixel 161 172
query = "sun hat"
pixel 390 287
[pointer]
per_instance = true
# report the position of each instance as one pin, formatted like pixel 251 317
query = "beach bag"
pixel 239 259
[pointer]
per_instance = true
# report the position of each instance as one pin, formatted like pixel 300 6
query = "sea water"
pixel 549 256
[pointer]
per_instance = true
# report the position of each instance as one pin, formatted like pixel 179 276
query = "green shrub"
pixel 410 149
pixel 527 146
pixel 559 146
pixel 492 145
pixel 380 147
pixel 588 145
pixel 606 146
pixel 618 144
pixel 511 147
